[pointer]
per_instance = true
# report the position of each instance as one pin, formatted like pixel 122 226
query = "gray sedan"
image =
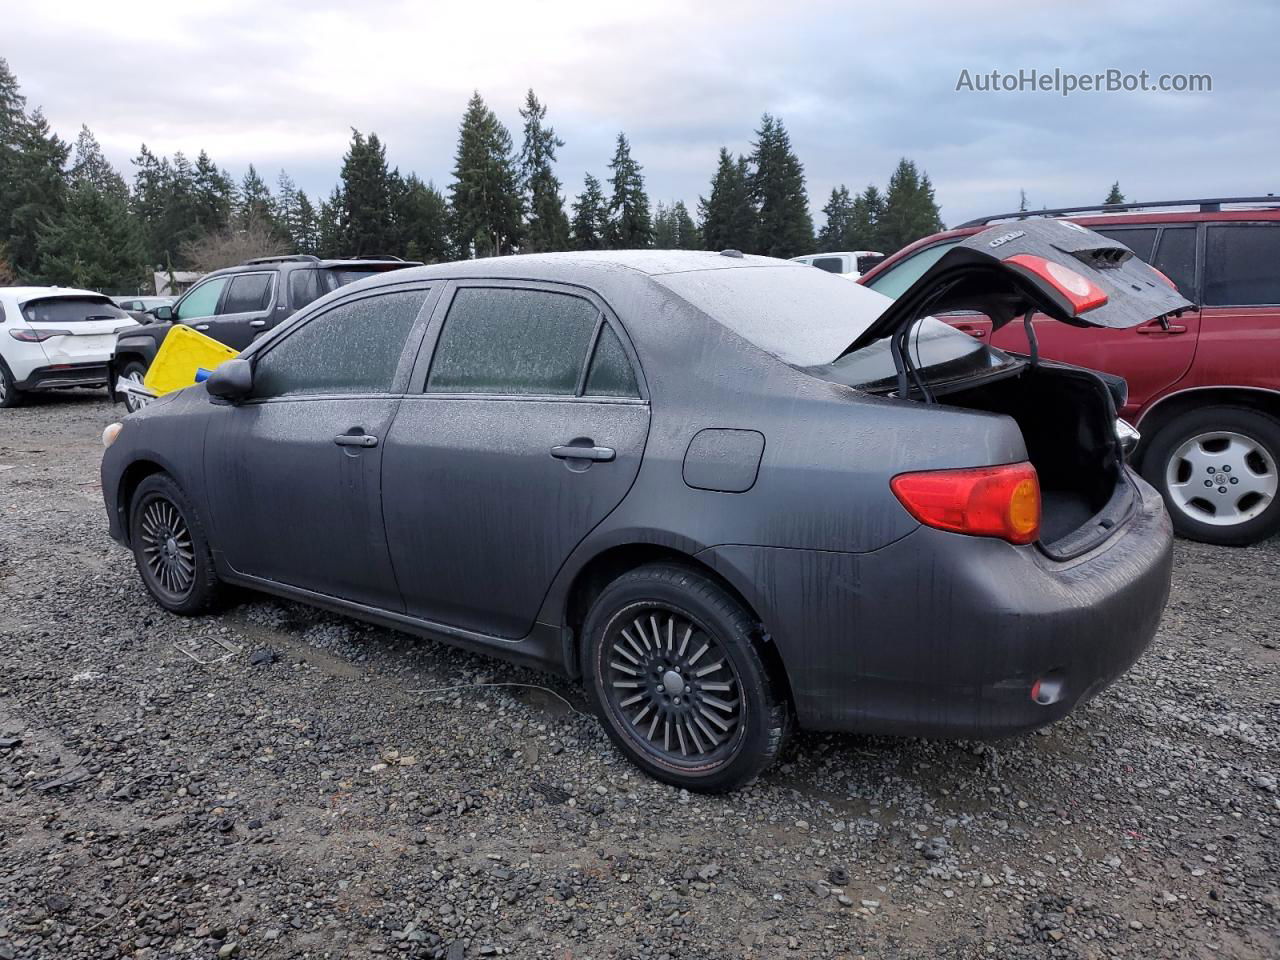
pixel 731 494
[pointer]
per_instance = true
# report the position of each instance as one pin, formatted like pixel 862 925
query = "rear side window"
pixel 71 310
pixel 248 293
pixel 511 341
pixel 1242 265
pixel 1176 258
pixel 305 286
pixel 610 373
pixel 1141 240
pixel 829 264
pixel 353 348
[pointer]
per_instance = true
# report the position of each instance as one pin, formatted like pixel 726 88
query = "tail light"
pixel 37 336
pixel 1001 501
pixel 1081 292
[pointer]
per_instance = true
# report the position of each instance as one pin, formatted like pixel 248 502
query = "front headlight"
pixel 110 433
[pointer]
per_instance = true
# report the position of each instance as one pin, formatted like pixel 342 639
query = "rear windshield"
pixel 345 275
pixel 71 310
pixel 802 316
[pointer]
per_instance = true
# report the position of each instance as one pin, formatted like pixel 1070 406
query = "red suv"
pixel 1204 391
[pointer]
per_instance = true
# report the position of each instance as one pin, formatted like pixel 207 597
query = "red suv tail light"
pixel 1001 501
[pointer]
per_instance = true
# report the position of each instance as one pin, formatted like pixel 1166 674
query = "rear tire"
pixel 170 548
pixel 10 395
pixel 671 666
pixel 1218 469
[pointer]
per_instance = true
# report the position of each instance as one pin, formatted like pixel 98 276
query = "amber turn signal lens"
pixel 1001 501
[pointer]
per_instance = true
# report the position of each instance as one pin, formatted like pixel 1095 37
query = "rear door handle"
pixel 569 452
pixel 356 440
pixel 257 323
pixel 1152 328
pixel 202 326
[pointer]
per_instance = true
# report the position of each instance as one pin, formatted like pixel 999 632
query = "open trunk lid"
pixel 1054 267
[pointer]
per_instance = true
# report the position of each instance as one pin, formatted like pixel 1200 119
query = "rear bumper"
pixel 945 635
pixel 57 376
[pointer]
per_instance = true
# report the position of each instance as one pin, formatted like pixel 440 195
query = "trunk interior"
pixel 1067 420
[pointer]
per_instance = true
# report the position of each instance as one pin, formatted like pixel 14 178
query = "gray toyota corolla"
pixel 730 493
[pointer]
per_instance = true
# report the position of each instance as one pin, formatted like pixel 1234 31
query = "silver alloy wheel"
pixel 673 686
pixel 133 402
pixel 167 546
pixel 1222 478
pixel 4 387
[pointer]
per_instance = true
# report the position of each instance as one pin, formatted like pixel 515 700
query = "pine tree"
pixel 910 211
pixel 839 214
pixel 285 211
pixel 729 213
pixel 88 165
pixel 39 191
pixel 1114 195
pixel 485 193
pixel 630 224
pixel 307 236
pixel 254 204
pixel 93 243
pixel 214 195
pixel 777 186
pixel 367 191
pixel 547 227
pixel 1022 201
pixel 865 219
pixel 423 217
pixel 665 233
pixel 590 216
pixel 13 121
pixel 674 229
pixel 330 228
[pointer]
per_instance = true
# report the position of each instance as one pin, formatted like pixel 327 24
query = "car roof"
pixel 577 266
pixel 26 294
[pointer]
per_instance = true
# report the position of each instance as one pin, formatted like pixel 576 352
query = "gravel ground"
pixel 279 782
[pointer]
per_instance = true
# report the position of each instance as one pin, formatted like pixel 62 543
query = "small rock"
pixel 263 657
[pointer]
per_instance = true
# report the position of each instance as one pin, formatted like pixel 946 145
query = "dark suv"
pixel 237 305
pixel 1204 389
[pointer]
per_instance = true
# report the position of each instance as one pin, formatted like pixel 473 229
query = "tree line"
pixel 68 217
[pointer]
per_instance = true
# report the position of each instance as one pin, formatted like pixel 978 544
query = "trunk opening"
pixel 1067 419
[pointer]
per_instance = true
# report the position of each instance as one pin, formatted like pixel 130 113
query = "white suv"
pixel 55 337
pixel 850 264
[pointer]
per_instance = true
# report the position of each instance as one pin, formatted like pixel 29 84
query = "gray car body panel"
pixel 817 543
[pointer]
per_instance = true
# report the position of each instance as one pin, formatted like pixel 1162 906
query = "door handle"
pixel 978 332
pixel 356 440
pixel 1153 328
pixel 257 323
pixel 202 326
pixel 570 452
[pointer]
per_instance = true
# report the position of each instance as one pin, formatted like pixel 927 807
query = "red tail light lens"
pixel 999 501
pixel 1081 292
pixel 37 336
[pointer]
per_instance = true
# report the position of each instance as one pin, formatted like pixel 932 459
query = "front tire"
pixel 1218 469
pixel 135 372
pixel 170 547
pixel 670 662
pixel 10 395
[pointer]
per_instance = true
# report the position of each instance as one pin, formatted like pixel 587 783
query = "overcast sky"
pixel 280 84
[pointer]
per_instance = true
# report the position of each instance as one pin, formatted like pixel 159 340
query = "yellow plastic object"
pixel 186 357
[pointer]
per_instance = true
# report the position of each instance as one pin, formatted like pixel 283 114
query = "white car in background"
pixel 52 338
pixel 850 264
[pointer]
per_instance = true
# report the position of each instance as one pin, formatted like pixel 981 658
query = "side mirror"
pixel 231 380
pixel 164 312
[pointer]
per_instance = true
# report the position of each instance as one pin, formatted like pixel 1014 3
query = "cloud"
pixel 858 86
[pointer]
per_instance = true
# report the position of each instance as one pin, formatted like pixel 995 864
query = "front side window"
pixel 1242 265
pixel 829 264
pixel 202 301
pixel 353 348
pixel 894 282
pixel 248 293
pixel 512 342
